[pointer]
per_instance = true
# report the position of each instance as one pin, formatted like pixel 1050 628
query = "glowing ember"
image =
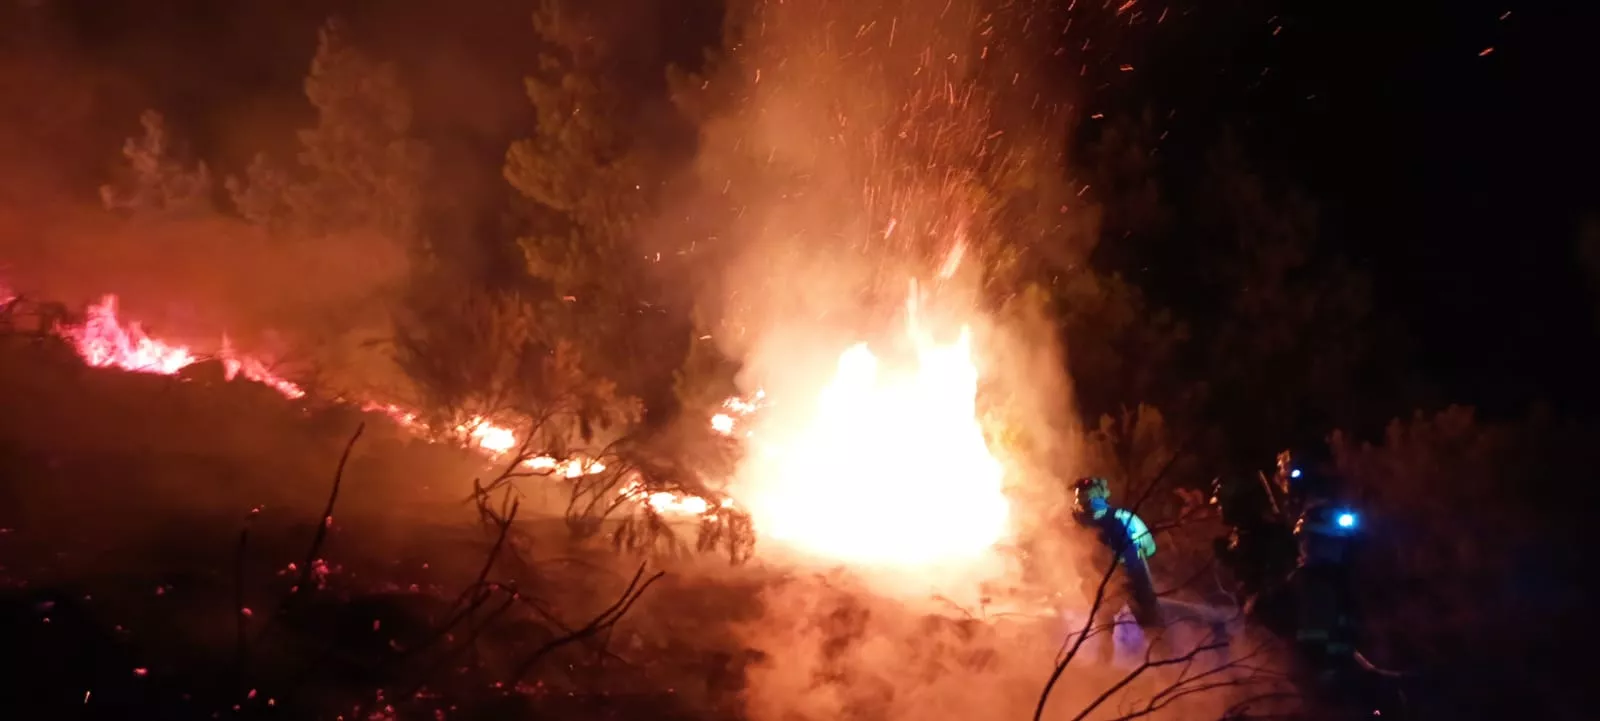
pixel 673 503
pixel 890 468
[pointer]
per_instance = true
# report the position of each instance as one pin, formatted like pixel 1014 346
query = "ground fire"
pixel 862 437
pixel 105 340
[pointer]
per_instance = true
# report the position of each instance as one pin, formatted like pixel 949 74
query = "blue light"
pixel 1294 473
pixel 1346 520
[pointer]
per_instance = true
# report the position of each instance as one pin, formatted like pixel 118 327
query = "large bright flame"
pixel 888 468
pixel 105 343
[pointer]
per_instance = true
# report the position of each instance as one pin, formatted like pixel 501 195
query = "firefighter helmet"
pixel 1090 488
pixel 1089 492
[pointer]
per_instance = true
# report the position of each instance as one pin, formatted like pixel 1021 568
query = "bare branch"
pixel 1135 673
pixel 317 539
pixel 601 622
pixel 1105 581
pixel 327 514
pixel 241 621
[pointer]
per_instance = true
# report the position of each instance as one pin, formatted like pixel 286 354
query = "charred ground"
pixel 148 520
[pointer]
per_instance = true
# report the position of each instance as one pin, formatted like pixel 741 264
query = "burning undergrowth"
pixel 902 396
pixel 200 279
pixel 860 167
pixel 904 420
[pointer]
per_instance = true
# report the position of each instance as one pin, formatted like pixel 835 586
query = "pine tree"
pixel 359 168
pixel 590 177
pixel 355 189
pixel 154 180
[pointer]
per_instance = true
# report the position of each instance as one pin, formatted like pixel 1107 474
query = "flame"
pixel 103 340
pixel 235 365
pixel 495 440
pixel 667 503
pixel 488 436
pixel 888 468
pixel 734 411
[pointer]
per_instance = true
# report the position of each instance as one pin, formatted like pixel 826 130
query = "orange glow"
pixel 253 369
pixel 673 503
pixel 104 340
pixel 888 467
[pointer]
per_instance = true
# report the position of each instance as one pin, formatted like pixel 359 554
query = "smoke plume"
pixel 859 153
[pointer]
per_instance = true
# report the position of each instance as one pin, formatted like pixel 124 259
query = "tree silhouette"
pixel 359 168
pixel 589 175
pixel 154 181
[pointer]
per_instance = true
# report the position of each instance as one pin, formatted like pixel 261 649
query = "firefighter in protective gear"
pixel 1131 544
pixel 1325 619
pixel 1320 602
pixel 1259 550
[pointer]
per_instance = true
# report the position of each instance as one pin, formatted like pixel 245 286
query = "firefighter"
pixel 1131 545
pixel 1301 551
pixel 1325 606
pixel 1259 550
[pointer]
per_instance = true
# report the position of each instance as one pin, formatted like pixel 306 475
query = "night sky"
pixel 1460 180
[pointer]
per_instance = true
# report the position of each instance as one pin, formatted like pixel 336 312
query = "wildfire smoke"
pixel 863 152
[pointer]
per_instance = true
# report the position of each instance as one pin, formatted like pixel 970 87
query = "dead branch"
pixel 472 597
pixel 327 515
pixel 241 625
pixel 1187 685
pixel 312 552
pixel 1105 581
pixel 1147 665
pixel 480 590
pixel 601 622
pixel 1234 712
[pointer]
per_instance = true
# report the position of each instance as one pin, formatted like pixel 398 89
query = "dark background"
pixel 1456 180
